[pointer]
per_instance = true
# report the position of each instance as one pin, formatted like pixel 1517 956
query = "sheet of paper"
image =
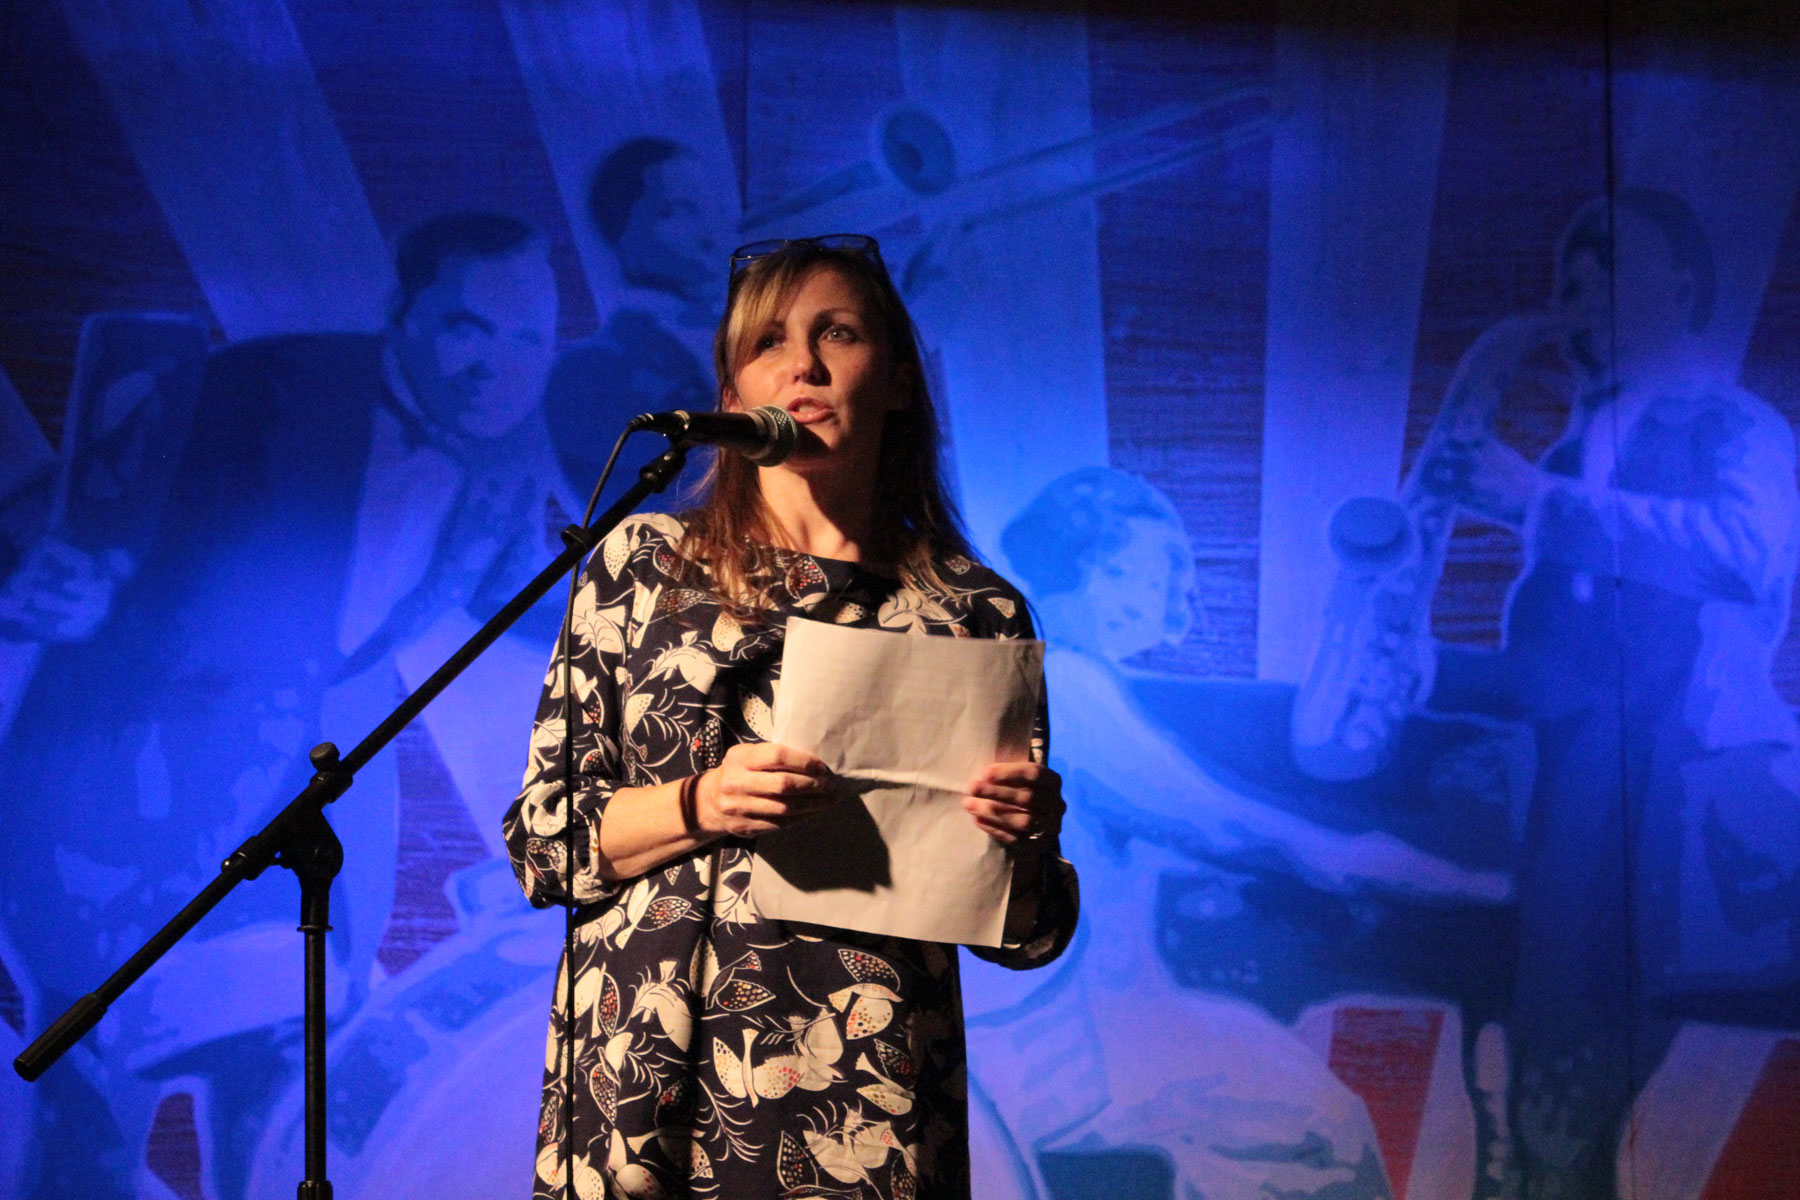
pixel 905 722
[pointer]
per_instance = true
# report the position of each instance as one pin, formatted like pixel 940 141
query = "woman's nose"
pixel 804 363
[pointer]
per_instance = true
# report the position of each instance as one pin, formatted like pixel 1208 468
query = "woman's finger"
pixel 1022 773
pixel 754 816
pixel 1017 797
pixel 772 756
pixel 783 784
pixel 1004 834
pixel 766 808
pixel 1009 816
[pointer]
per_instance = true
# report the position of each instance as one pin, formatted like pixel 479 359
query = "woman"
pixel 1228 1100
pixel 717 1053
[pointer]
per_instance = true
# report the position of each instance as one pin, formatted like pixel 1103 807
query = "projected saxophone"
pixel 1375 661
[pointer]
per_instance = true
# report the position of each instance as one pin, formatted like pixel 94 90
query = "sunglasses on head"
pixel 859 244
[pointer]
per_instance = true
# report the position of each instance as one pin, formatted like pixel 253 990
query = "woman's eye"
pixel 841 333
pixel 766 342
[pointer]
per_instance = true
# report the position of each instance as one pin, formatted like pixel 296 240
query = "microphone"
pixel 765 435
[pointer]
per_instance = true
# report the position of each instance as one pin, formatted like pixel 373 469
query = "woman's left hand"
pixel 1017 801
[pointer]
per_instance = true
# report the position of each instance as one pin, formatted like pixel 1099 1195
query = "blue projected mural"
pixel 1393 433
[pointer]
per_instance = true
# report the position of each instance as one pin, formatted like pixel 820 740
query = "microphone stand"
pixel 300 839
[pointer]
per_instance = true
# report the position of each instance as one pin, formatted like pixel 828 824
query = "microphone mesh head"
pixel 782 430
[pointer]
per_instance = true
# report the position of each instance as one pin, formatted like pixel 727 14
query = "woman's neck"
pixel 826 515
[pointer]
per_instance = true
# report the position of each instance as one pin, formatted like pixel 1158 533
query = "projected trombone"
pixel 912 175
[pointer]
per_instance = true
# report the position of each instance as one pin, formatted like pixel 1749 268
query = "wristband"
pixel 690 804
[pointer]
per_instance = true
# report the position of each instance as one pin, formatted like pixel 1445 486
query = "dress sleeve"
pixel 1059 900
pixel 535 825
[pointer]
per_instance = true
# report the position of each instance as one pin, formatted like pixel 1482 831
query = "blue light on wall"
pixel 1393 429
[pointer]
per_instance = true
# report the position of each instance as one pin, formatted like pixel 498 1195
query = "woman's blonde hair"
pixel 731 532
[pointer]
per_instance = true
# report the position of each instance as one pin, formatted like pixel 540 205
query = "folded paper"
pixel 906 723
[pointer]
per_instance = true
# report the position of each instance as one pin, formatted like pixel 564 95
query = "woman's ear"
pixel 728 399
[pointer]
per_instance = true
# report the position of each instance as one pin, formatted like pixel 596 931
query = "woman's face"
pixel 824 358
pixel 1138 595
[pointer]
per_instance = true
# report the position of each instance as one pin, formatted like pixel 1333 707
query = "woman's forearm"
pixel 756 788
pixel 645 827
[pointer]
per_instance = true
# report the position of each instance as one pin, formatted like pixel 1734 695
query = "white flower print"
pixel 642 907
pixel 851 1149
pixel 665 997
pixel 758 717
pixel 691 662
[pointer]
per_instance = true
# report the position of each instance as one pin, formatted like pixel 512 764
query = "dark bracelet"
pixel 690 804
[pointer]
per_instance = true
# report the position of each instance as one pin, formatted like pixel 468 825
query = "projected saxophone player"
pixel 1661 537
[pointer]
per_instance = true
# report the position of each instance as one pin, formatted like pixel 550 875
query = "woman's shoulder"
pixel 965 572
pixel 985 594
pixel 641 541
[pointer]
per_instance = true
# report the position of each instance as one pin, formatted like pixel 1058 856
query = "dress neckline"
pixel 827 563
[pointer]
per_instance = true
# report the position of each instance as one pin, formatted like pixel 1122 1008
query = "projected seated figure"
pixel 1661 536
pixel 1113 1055
pixel 347 506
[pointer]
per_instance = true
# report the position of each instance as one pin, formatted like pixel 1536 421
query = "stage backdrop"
pixel 1390 414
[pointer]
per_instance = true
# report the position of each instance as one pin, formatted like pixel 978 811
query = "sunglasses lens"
pixel 754 250
pixel 852 243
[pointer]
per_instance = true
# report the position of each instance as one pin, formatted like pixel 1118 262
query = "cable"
pixel 571 712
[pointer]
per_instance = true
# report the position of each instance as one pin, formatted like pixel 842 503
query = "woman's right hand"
pixel 759 787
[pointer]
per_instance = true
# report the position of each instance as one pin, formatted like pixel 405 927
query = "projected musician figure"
pixel 346 503
pixel 652 203
pixel 1113 1055
pixel 1661 541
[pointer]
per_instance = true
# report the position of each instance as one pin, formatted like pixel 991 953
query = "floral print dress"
pixel 718 1054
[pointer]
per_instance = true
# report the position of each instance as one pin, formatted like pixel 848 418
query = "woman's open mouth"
pixel 808 412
